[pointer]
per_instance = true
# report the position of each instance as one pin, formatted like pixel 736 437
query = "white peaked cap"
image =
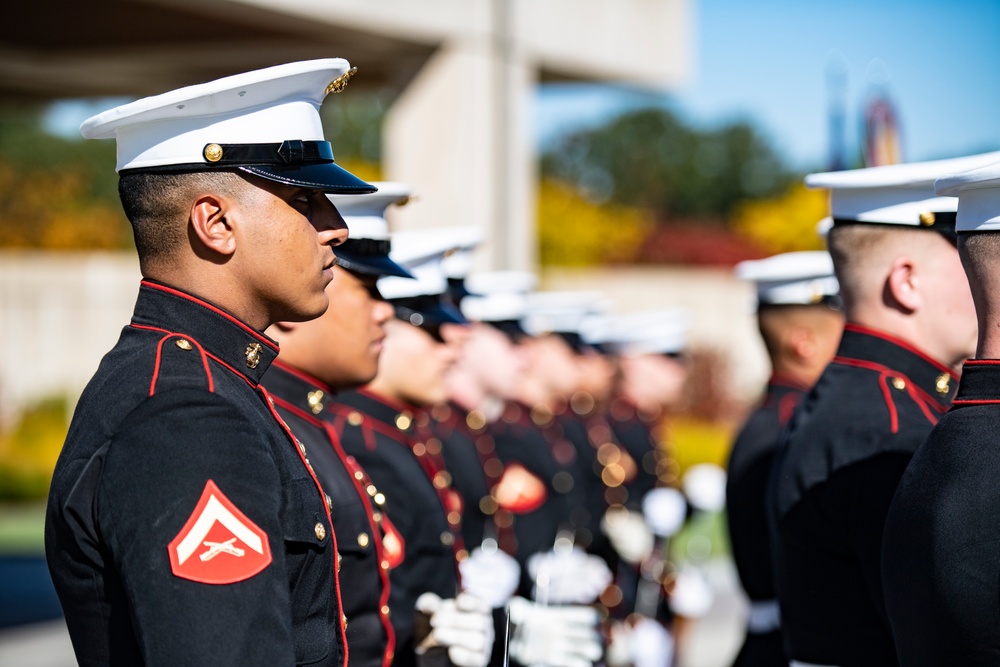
pixel 562 312
pixel 499 296
pixel 459 263
pixel 899 194
pixel 421 251
pixel 791 278
pixel 270 105
pixel 365 214
pixel 416 243
pixel 652 332
pixel 978 193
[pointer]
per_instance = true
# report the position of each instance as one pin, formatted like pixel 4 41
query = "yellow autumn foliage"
pixel 785 223
pixel 573 231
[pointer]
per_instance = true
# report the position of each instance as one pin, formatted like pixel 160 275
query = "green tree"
pixel 649 158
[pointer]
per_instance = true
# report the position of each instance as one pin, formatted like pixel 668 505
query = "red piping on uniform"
pixel 215 309
pixel 887 395
pixel 333 533
pixel 159 349
pixel 857 328
pixel 787 380
pixel 302 375
pixel 975 401
pixel 786 406
pixel 365 502
pixel 982 362
pixel 359 485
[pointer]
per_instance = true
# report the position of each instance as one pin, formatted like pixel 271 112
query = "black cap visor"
pixel 429 312
pixel 373 265
pixel 324 176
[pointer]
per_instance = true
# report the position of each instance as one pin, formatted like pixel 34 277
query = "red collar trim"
pixel 858 328
pixel 398 406
pixel 787 380
pixel 215 309
pixel 302 375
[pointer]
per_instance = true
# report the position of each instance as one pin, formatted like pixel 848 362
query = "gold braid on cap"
pixel 338 84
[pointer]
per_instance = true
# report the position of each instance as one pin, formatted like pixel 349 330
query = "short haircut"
pixel 774 320
pixel 979 252
pixel 855 249
pixel 157 206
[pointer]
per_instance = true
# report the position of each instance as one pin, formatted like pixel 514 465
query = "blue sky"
pixel 765 61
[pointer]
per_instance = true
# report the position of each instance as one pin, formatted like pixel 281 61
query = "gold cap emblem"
pixel 927 218
pixel 338 84
pixel 943 384
pixel 315 400
pixel 213 152
pixel 253 355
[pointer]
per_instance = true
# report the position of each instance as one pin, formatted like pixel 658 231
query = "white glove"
pixel 705 486
pixel 463 624
pixel 652 645
pixel 568 576
pixel 490 575
pixel 645 643
pixel 553 636
pixel 628 534
pixel 664 510
pixel 692 595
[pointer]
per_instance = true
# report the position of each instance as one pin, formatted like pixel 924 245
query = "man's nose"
pixel 330 225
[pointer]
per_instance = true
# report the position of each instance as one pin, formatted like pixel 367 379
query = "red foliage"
pixel 695 242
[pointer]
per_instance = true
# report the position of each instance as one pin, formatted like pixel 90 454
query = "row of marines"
pixel 314 444
pixel 861 494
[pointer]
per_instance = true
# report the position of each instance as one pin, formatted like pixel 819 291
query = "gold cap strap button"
pixel 213 152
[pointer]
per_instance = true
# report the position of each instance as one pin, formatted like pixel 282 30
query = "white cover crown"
pixel 791 278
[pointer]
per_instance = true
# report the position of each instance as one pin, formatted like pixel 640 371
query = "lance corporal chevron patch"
pixel 218 544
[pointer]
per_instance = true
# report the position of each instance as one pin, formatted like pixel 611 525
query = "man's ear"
pixel 802 342
pixel 901 289
pixel 211 226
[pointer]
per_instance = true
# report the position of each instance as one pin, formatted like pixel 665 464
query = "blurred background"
pixel 638 147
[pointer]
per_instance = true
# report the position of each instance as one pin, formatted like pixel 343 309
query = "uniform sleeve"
pixel 190 490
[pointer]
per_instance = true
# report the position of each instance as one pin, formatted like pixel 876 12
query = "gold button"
pixel 315 400
pixel 379 499
pixel 927 218
pixel 343 619
pixel 371 489
pixel 385 565
pixel 358 475
pixel 385 610
pixel 320 532
pixel 340 559
pixel 475 420
pixel 355 418
pixel 447 538
pixel 403 421
pixel 899 383
pixel 943 383
pixel 363 540
pixel 213 152
pixel 329 502
pixel 183 343
pixel 442 479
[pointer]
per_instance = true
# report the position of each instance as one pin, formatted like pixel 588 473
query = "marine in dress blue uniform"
pixel 940 548
pixel 184 525
pixel 850 439
pixel 303 383
pixel 799 320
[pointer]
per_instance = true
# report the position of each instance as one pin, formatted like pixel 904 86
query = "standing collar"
pixel 878 350
pixel 225 338
pixel 980 383
pixel 297 388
